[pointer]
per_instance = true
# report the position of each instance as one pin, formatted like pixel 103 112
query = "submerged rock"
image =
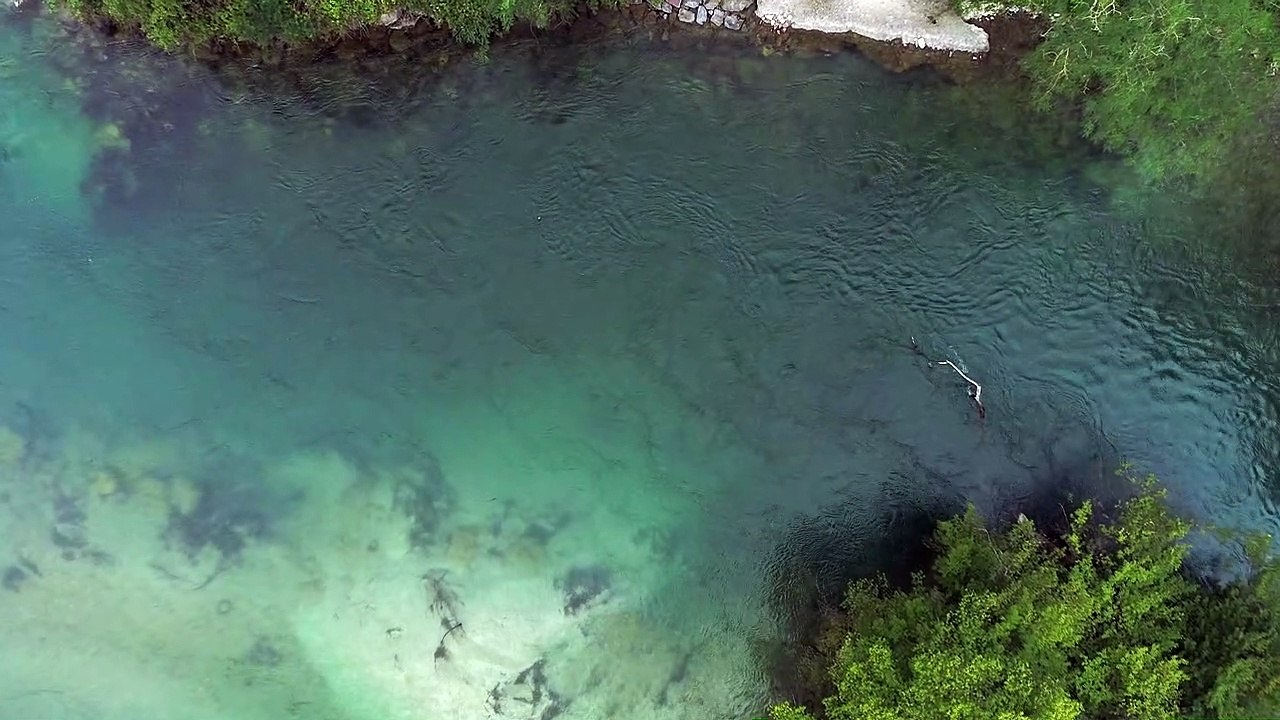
pixel 399 41
pixel 109 136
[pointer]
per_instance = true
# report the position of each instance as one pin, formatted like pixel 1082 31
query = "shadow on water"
pixel 807 577
pixel 812 565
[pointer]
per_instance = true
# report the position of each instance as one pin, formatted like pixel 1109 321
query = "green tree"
pixel 1098 620
pixel 1172 84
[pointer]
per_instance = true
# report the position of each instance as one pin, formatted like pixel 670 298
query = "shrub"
pixel 1170 83
pixel 173 24
pixel 1097 620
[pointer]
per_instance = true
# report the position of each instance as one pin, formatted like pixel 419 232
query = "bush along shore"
pixel 174 24
pixel 1093 614
pixel 186 24
pixel 1177 86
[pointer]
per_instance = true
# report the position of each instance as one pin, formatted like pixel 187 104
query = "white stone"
pixel 686 15
pixel 923 23
pixel 736 6
pixel 733 22
pixel 702 16
pixel 399 19
pixel 717 17
pixel 979 9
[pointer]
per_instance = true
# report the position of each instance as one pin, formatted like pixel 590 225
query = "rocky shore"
pixel 729 14
pixel 924 24
pixel 899 34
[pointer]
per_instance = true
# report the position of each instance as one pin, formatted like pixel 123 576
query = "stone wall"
pixel 728 14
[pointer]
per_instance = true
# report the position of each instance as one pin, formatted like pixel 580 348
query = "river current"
pixel 543 385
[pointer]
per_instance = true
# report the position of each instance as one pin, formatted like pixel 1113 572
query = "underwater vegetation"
pixel 226 506
pixel 528 695
pixel 225 517
pixel 426 498
pixel 584 585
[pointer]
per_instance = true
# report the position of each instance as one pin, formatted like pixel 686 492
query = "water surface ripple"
pixel 602 341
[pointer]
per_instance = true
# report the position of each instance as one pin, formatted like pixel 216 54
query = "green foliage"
pixel 1233 645
pixel 1099 620
pixel 173 24
pixel 1170 83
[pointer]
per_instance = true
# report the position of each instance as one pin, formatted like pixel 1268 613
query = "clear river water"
pixel 547 386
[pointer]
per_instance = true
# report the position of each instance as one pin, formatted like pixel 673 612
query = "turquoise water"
pixel 546 386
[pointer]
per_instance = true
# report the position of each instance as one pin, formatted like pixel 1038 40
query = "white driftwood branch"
pixel 977 389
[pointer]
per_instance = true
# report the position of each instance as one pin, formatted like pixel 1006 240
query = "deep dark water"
pixel 631 320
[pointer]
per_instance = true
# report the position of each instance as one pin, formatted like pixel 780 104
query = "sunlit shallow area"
pixel 541 386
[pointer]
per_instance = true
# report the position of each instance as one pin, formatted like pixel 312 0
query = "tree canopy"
pixel 1171 84
pixel 1102 619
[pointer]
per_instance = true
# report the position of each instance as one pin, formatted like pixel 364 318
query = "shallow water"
pixel 582 349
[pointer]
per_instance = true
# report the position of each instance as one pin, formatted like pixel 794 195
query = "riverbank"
pixel 899 34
